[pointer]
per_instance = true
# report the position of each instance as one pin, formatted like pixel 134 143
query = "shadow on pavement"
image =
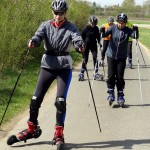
pixel 126 144
pixel 32 144
pixel 123 144
pixel 138 79
pixel 127 105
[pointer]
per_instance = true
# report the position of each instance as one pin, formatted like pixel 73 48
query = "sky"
pixel 113 2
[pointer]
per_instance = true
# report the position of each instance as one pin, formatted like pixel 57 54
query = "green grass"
pixel 140 21
pixel 25 88
pixel 23 92
pixel 101 21
pixel 144 35
pixel 134 21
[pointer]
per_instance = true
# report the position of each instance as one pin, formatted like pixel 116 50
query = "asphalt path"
pixel 122 128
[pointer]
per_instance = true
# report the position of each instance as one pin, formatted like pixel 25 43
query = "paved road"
pixel 122 128
pixel 143 25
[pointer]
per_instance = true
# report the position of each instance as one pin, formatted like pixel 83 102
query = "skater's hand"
pixel 101 63
pixel 100 45
pixel 135 28
pixel 81 50
pixel 31 43
pixel 102 29
pixel 81 47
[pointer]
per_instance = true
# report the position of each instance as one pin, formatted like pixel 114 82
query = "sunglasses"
pixel 59 13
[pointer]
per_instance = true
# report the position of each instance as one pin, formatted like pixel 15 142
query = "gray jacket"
pixel 117 48
pixel 57 40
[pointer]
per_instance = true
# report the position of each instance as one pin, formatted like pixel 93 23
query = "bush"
pixel 20 20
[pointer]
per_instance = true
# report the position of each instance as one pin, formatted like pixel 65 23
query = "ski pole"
pixel 139 73
pixel 92 82
pixel 102 65
pixel 15 86
pixel 92 95
pixel 104 70
pixel 96 65
pixel 141 51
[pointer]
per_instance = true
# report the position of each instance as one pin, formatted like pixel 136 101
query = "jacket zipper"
pixel 120 32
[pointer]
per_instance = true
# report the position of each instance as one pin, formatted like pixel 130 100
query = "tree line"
pixel 128 6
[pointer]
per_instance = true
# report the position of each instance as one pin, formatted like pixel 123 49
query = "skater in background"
pixel 116 56
pixel 106 39
pixel 58 35
pixel 129 48
pixel 91 37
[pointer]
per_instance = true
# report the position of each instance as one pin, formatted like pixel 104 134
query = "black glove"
pixel 100 45
pixel 101 63
pixel 80 47
pixel 102 29
pixel 32 43
pixel 135 28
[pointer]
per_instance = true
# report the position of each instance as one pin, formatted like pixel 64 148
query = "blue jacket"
pixel 117 48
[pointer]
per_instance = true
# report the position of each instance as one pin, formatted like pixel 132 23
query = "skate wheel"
pixel 12 139
pixel 59 145
pixel 110 103
pixel 97 77
pixel 37 134
pixel 80 79
pixel 53 142
pixel 101 77
pixel 121 104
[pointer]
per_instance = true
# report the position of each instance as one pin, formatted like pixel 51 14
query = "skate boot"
pixel 81 77
pixel 58 137
pixel 120 99
pixel 130 63
pixel 33 131
pixel 101 63
pixel 98 76
pixel 111 96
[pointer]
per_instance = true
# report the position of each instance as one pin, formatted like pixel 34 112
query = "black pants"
pixel 46 77
pixel 129 50
pixel 105 45
pixel 116 69
pixel 86 57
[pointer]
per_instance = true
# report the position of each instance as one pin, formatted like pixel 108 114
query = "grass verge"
pixel 144 35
